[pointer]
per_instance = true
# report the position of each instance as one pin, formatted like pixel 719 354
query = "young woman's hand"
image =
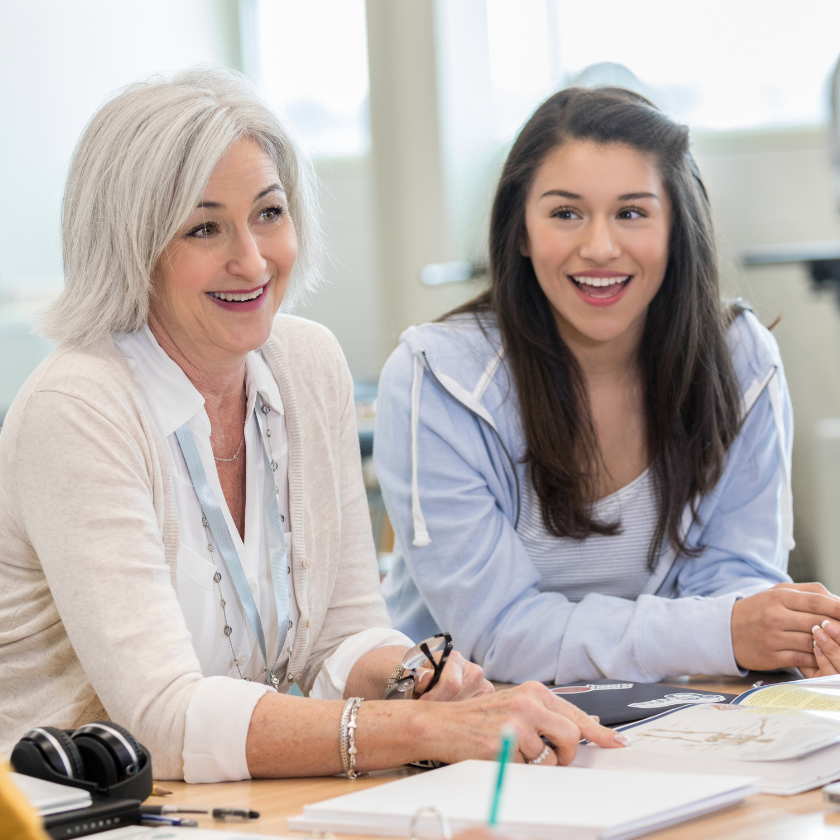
pixel 471 729
pixel 772 629
pixel 826 648
pixel 460 680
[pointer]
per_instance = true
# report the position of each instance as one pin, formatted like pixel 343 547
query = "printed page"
pixel 816 698
pixel 739 733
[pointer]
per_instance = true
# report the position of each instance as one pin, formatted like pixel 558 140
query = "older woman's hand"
pixel 460 680
pixel 471 729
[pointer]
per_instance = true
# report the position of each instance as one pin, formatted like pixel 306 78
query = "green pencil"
pixel 506 747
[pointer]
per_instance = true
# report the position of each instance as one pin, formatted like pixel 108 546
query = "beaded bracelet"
pixel 347 736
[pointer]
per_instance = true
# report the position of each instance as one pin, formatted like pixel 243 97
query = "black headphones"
pixel 102 758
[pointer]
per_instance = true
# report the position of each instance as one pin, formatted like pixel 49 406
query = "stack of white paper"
pixel 540 802
pixel 48 797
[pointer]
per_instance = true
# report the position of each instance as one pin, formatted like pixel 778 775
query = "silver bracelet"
pixel 347 736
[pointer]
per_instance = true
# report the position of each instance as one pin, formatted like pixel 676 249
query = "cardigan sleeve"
pixel 86 496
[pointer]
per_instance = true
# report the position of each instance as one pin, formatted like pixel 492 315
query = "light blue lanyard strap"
pixel 277 553
pixel 230 558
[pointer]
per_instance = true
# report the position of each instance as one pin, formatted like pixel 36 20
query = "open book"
pixel 788 735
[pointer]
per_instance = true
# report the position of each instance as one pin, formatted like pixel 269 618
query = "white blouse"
pixel 220 711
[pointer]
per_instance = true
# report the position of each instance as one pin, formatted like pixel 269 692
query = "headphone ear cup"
pixel 110 753
pixel 61 754
pixel 139 758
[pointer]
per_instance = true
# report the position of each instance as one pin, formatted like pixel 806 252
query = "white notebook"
pixel 540 802
pixel 48 797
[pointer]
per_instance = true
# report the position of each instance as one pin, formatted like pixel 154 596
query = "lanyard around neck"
pixel 230 557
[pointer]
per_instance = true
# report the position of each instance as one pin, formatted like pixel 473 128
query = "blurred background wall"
pixel 408 109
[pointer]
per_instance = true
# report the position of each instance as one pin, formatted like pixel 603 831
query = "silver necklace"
pixel 217 577
pixel 265 411
pixel 228 460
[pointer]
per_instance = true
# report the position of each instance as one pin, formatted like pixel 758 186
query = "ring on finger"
pixel 542 756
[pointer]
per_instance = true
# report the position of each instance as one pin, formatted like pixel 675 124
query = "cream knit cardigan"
pixel 90 625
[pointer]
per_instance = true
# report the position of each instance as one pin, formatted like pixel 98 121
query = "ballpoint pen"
pixel 235 814
pixel 155 819
pixel 508 744
pixel 218 813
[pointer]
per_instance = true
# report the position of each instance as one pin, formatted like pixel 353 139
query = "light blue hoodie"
pixel 448 452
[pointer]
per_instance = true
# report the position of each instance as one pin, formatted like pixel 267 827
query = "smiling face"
pixel 598 220
pixel 222 278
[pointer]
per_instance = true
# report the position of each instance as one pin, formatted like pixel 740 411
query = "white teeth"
pixel 238 298
pixel 599 281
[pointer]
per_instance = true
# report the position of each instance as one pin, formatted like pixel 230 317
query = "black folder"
pixel 616 702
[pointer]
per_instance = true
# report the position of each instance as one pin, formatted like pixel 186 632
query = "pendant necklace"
pixel 228 460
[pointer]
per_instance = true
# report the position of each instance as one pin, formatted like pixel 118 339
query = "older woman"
pixel 184 526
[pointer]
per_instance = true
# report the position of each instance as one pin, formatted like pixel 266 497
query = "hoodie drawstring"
pixel 421 535
pixel 787 494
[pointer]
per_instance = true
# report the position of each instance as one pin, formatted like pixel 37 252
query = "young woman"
pixel 588 466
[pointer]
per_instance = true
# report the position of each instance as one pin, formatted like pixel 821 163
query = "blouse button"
pixel 306 562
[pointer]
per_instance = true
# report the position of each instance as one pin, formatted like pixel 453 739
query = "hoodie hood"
pixel 464 357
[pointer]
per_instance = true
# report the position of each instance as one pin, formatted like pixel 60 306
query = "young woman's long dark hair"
pixel 692 401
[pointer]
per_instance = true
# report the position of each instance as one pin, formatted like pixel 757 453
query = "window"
pixel 312 64
pixel 719 64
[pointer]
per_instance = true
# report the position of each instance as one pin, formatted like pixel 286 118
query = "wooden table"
pixel 802 817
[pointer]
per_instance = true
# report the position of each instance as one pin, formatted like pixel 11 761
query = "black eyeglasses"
pixel 414 660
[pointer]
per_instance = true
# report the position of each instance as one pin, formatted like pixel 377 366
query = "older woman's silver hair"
pixel 137 174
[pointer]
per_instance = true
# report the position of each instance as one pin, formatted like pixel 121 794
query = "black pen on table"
pixel 218 813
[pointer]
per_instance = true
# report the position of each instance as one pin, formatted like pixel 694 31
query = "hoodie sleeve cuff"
pixel 690 635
